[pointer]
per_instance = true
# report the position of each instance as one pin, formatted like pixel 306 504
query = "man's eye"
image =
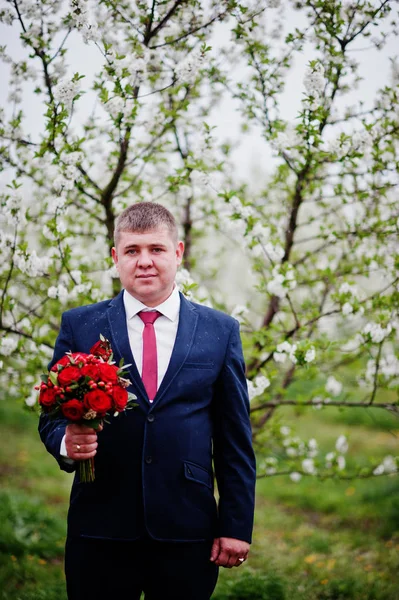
pixel 131 251
pixel 157 250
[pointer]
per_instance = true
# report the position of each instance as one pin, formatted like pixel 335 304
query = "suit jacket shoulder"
pixel 212 314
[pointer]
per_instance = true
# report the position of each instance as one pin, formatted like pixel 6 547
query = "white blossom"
pixel 313 448
pixel 115 106
pixel 294 476
pixel 330 458
pixel 239 313
pixel 310 354
pixel 333 386
pixel 308 466
pixel 341 462
pixel 314 83
pixel 187 70
pixel 65 92
pixel 281 283
pixel 31 399
pixel 270 465
pixel 257 386
pixel 32 265
pixel 376 332
pixel 347 309
pixel 388 465
pixel 284 430
pixel 7 345
pixel 341 444
pixel 59 291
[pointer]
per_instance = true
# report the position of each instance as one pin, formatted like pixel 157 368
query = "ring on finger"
pixel 77 448
pixel 241 560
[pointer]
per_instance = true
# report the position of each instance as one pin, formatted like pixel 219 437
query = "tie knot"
pixel 149 316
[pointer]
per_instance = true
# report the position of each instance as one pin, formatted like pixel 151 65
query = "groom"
pixel 150 522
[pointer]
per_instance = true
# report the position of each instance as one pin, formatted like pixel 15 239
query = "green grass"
pixel 313 540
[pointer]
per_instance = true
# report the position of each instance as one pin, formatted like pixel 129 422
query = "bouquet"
pixel 85 389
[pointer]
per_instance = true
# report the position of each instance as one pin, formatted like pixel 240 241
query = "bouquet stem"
pixel 86 470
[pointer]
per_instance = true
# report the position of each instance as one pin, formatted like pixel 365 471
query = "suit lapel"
pixel 188 318
pixel 121 345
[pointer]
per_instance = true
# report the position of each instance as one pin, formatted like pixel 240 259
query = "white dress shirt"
pixel 165 332
pixel 165 329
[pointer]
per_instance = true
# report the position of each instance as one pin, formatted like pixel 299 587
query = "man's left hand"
pixel 227 552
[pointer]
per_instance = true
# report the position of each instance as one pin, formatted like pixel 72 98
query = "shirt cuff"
pixel 64 454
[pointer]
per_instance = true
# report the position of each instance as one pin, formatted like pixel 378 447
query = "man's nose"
pixel 144 260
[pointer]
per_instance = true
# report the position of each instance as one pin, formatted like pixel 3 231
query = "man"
pixel 149 522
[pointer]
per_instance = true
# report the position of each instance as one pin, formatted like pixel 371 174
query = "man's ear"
pixel 114 256
pixel 179 252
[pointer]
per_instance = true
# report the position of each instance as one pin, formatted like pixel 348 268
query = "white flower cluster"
pixel 7 345
pixel 65 91
pixel 333 386
pixel 257 386
pixel 314 83
pixel 117 106
pixel 235 217
pixel 82 21
pixel 187 70
pixel 282 282
pixel 375 333
pixel 64 294
pixel 184 281
pixel 389 465
pixel 388 368
pixel 344 145
pixel 7 16
pixel 12 209
pixel 285 349
pixel 131 66
pixel 336 459
pixel 31 264
pixel 288 142
pixel 239 313
pixel 32 398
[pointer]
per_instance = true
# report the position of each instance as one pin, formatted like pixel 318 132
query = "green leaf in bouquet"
pixel 53 376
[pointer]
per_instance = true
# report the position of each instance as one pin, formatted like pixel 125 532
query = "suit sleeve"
pixel 234 458
pixel 53 430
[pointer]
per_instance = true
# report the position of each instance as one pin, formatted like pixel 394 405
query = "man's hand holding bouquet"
pixel 85 389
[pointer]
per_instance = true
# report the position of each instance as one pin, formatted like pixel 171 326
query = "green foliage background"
pixel 324 540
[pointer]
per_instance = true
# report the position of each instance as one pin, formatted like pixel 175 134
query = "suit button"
pixel 148 460
pixel 150 418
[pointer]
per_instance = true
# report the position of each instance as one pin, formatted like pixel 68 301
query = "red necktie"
pixel 150 358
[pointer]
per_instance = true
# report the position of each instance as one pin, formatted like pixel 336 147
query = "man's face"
pixel 147 263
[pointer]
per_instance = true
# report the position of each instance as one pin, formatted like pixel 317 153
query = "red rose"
pixel 73 409
pixel 69 375
pixel 98 401
pixel 66 360
pixel 102 348
pixel 120 397
pixel 48 396
pixel 91 371
pixel 108 373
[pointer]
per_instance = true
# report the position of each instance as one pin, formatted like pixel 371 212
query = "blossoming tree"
pixel 320 234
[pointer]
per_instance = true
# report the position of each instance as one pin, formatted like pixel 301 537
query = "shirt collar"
pixel 169 308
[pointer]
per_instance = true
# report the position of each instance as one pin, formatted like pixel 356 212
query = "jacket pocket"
pixel 197 473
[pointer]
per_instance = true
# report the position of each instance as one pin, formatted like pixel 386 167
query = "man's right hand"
pixel 81 441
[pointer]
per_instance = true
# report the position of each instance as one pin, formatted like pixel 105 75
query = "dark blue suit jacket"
pixel 155 464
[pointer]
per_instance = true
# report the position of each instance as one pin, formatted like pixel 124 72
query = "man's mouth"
pixel 145 276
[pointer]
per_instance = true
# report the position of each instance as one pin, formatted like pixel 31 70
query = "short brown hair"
pixel 142 217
